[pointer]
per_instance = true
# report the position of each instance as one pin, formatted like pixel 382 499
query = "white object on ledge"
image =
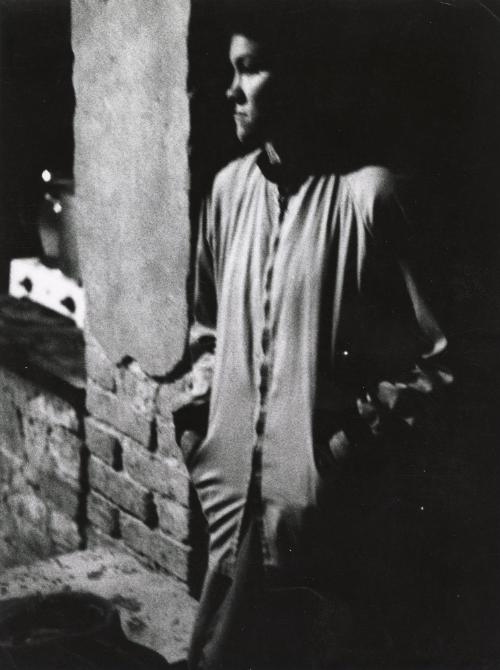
pixel 30 278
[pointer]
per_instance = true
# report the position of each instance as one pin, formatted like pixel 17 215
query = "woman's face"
pixel 253 91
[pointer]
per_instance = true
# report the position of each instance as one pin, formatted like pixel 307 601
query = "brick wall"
pixel 139 493
pixel 73 477
pixel 41 456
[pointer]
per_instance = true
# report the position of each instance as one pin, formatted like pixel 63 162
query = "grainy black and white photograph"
pixel 249 334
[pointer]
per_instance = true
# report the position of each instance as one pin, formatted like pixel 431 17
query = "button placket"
pixel 265 372
pixel 266 336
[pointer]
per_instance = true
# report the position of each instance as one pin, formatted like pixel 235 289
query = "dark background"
pixel 415 85
pixel 36 116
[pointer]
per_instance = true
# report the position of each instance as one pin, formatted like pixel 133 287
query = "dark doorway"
pixel 36 115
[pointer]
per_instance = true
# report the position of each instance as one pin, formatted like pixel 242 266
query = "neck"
pixel 287 154
pixel 286 168
pixel 287 157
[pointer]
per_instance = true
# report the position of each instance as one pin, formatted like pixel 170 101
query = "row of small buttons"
pixel 266 331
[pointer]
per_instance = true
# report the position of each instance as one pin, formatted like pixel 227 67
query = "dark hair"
pixel 285 27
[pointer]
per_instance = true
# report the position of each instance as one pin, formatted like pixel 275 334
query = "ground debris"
pixel 130 604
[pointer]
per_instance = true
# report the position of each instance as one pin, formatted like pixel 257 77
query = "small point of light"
pixel 57 208
pixel 345 353
pixel 458 595
pixel 46 176
pixel 422 508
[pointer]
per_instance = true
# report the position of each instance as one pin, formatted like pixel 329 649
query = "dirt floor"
pixel 155 610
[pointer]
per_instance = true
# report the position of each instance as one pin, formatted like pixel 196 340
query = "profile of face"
pixel 253 91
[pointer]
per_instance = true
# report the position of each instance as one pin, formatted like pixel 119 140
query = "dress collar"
pixel 288 178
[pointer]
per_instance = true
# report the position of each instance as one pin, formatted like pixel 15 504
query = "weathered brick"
pixel 9 552
pixel 172 396
pixel 97 539
pixel 195 383
pixel 99 367
pixel 33 543
pixel 18 389
pixel 65 449
pixel 169 554
pixel 119 488
pixel 102 440
pixel 10 465
pixel 173 518
pixel 136 535
pixel 54 411
pixel 134 424
pixel 51 449
pixel 11 427
pixel 119 413
pixel 28 508
pixel 167 444
pixel 101 403
pixel 37 434
pixel 63 494
pixel 164 400
pixel 18 482
pixel 102 513
pixel 137 387
pixel 64 532
pixel 157 473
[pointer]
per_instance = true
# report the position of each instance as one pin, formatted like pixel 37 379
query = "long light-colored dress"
pixel 321 347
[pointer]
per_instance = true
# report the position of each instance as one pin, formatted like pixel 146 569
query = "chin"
pixel 248 134
pixel 248 139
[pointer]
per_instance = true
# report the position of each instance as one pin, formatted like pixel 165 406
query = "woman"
pixel 324 369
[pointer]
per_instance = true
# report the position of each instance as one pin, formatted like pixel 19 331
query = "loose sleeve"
pixel 406 392
pixel 191 419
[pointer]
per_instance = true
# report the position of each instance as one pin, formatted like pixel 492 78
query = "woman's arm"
pixel 406 395
pixel 191 419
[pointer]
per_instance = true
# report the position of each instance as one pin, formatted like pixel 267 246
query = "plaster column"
pixel 131 175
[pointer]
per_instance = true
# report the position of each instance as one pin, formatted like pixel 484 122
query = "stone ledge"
pixel 155 609
pixel 43 347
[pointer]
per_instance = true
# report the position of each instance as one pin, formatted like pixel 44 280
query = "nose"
pixel 235 93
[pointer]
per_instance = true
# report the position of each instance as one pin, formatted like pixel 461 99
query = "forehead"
pixel 242 46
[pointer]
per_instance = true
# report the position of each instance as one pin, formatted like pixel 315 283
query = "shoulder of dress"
pixel 228 188
pixel 373 191
pixel 235 175
pixel 371 183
